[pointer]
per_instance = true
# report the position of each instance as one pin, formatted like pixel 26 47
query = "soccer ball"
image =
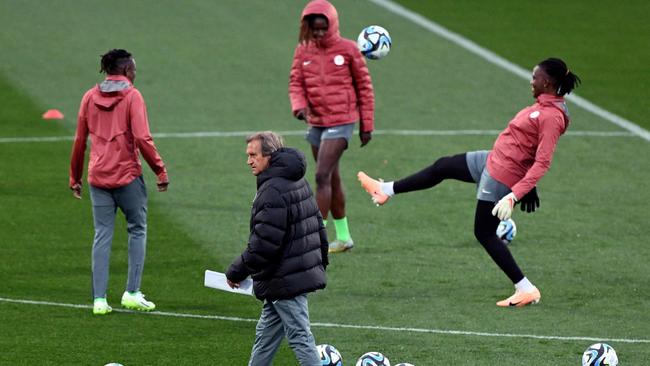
pixel 599 354
pixel 374 42
pixel 507 230
pixel 329 356
pixel 113 364
pixel 405 364
pixel 373 359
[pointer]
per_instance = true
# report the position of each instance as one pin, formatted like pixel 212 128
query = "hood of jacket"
pixel 328 10
pixel 285 163
pixel 111 91
pixel 557 102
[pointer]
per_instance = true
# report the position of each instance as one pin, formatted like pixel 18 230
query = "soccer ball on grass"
pixel 329 356
pixel 373 359
pixel 599 354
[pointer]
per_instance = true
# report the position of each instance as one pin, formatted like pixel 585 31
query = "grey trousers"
pixel 279 318
pixel 132 200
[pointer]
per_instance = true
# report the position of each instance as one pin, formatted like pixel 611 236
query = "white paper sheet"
pixel 218 280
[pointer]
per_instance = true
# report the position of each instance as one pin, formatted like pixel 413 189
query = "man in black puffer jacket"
pixel 287 250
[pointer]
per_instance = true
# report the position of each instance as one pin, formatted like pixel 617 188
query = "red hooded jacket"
pixel 115 116
pixel 524 150
pixel 330 77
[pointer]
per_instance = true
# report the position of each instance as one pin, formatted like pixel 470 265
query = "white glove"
pixel 503 208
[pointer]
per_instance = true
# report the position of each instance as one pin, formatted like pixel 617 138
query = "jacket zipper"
pixel 322 74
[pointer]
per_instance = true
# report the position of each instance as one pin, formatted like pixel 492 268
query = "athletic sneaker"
pixel 521 298
pixel 338 246
pixel 136 301
pixel 373 187
pixel 101 307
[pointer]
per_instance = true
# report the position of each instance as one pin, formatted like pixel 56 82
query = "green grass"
pixel 604 42
pixel 224 67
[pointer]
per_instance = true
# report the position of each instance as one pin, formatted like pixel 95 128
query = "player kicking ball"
pixel 505 175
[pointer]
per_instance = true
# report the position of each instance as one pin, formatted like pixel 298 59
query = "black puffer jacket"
pixel 287 249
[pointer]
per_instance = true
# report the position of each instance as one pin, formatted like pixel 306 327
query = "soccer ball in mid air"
pixel 374 42
pixel 599 354
pixel 329 356
pixel 373 359
pixel 507 230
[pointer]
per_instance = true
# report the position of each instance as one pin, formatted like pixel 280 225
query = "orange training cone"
pixel 53 114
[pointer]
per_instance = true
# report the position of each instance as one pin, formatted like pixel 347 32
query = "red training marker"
pixel 53 114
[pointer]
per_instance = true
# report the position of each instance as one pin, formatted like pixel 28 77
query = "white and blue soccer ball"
pixel 599 354
pixel 374 42
pixel 507 230
pixel 329 355
pixel 373 359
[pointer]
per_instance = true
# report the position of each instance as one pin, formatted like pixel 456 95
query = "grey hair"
pixel 270 141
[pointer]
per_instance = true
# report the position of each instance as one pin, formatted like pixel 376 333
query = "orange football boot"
pixel 373 187
pixel 521 298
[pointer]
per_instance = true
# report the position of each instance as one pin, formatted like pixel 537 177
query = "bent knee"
pixel 323 178
pixel 483 236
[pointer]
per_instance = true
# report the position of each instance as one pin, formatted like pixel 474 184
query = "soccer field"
pixel 417 286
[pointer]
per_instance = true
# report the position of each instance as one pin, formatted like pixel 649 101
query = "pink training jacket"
pixel 330 78
pixel 115 116
pixel 523 151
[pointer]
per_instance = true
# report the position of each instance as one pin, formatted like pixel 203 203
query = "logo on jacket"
pixel 534 114
pixel 305 63
pixel 338 60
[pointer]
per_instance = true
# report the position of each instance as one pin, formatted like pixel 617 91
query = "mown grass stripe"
pixel 163 135
pixel 505 64
pixel 346 326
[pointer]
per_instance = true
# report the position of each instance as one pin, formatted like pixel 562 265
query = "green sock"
pixel 342 231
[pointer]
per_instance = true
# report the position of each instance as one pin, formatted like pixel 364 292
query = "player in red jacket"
pixel 330 89
pixel 114 115
pixel 505 175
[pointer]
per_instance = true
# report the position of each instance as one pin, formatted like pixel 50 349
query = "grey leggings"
pixel 132 200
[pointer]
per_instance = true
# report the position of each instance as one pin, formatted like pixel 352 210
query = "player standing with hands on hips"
pixel 286 255
pixel 114 114
pixel 330 89
pixel 506 175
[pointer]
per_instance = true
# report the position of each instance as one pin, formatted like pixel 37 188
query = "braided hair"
pixel 563 79
pixel 114 61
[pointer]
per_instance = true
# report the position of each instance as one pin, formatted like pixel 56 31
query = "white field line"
pixel 343 326
pixel 185 135
pixel 505 64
